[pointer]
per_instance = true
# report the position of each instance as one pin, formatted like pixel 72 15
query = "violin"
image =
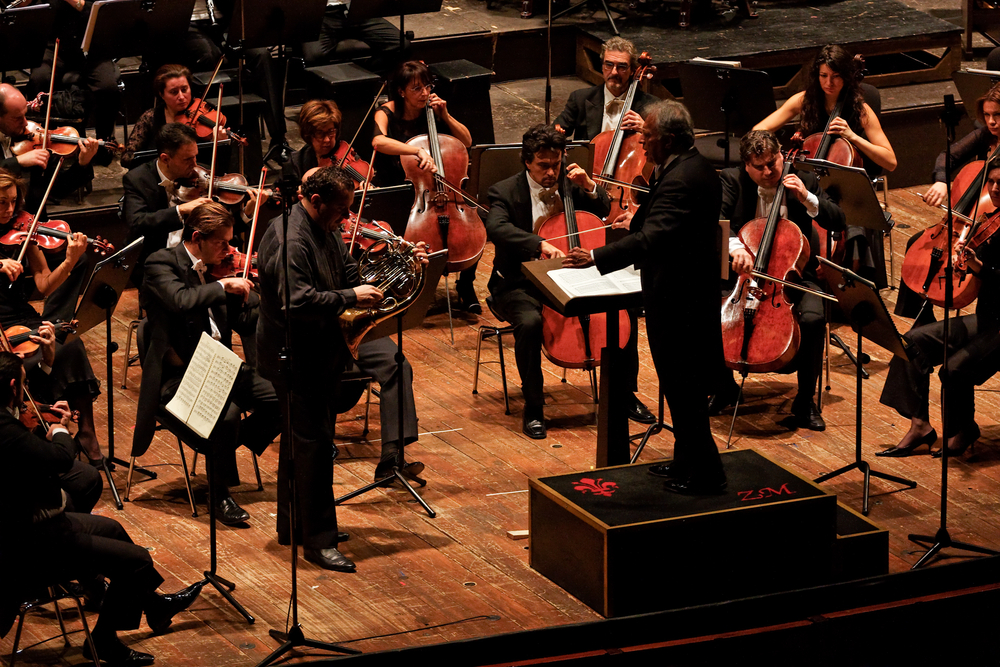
pixel 760 332
pixel 370 232
pixel 61 141
pixel 441 216
pixel 345 157
pixel 234 265
pixel 227 188
pixel 49 235
pixel 575 342
pixel 621 152
pixel 925 261
pixel 204 116
pixel 19 337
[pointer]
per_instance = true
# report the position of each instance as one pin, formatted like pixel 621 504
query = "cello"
pixel 441 215
pixel 621 152
pixel 924 264
pixel 575 342
pixel 760 332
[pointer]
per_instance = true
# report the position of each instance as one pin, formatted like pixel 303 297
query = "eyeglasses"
pixel 621 67
pixel 419 89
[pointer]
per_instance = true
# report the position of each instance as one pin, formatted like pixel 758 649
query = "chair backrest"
pixel 873 98
pixel 140 339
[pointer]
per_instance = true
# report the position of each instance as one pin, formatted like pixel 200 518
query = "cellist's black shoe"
pixel 533 427
pixel 231 514
pixel 467 298
pixel 968 439
pixel 808 416
pixel 668 470
pixel 638 412
pixel 160 613
pixel 723 398
pixel 116 654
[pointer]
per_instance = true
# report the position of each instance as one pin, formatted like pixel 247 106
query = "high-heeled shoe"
pixel 967 442
pixel 909 450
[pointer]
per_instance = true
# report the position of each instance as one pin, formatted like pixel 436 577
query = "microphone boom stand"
pixel 941 539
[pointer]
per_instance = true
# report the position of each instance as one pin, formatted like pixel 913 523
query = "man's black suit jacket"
pixel 177 307
pixel 509 226
pixel 672 240
pixel 739 206
pixel 148 212
pixel 584 113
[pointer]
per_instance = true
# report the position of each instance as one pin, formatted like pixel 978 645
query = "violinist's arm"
pixel 876 146
pixel 163 282
pixel 46 280
pixel 783 115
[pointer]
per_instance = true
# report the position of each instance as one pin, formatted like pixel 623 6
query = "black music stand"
pixel 24 33
pixel 124 28
pixel 491 163
pixel 100 298
pixel 410 318
pixel 613 442
pixel 374 9
pixel 866 311
pixel 389 204
pixel 725 98
pixel 269 23
pixel 580 5
pixel 973 84
pixel 851 188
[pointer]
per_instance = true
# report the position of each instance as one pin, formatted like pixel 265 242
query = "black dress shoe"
pixel 467 298
pixel 723 398
pixel 695 487
pixel 908 450
pixel 667 469
pixel 638 412
pixel 968 440
pixel 342 537
pixel 160 614
pixel 533 428
pixel 116 654
pixel 231 514
pixel 808 416
pixel 330 559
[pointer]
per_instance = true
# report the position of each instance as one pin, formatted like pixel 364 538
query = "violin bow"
pixel 48 107
pixel 5 344
pixel 253 224
pixel 361 208
pixel 41 207
pixel 208 87
pixel 215 149
pixel 468 198
pixel 360 125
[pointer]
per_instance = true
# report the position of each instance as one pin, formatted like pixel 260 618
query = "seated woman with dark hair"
pixel 172 85
pixel 70 376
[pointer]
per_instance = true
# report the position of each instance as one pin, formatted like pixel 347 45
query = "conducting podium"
pixel 592 298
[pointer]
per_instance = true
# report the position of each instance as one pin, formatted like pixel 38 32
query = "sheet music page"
pixel 590 282
pixel 205 386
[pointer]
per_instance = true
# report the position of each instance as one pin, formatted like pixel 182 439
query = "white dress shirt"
pixel 765 197
pixel 545 202
pixel 200 268
pixel 613 109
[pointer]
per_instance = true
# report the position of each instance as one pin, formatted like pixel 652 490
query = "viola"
pixel 49 235
pixel 576 342
pixel 204 116
pixel 760 332
pixel 233 265
pixel 227 189
pixel 441 216
pixel 621 152
pixel 61 141
pixel 345 157
pixel 925 261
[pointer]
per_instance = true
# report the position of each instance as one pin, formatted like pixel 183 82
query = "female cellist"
pixel 966 173
pixel 833 73
pixel 70 376
pixel 402 118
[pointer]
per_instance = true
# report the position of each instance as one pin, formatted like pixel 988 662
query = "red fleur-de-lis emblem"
pixel 598 488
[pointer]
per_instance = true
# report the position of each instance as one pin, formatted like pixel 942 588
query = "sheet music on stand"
pixel 206 385
pixel 590 282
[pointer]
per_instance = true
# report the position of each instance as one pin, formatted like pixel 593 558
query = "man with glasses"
pixel 590 111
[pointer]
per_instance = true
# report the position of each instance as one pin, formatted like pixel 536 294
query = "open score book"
pixel 206 385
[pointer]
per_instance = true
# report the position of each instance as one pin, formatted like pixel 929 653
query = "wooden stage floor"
pixel 422 580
